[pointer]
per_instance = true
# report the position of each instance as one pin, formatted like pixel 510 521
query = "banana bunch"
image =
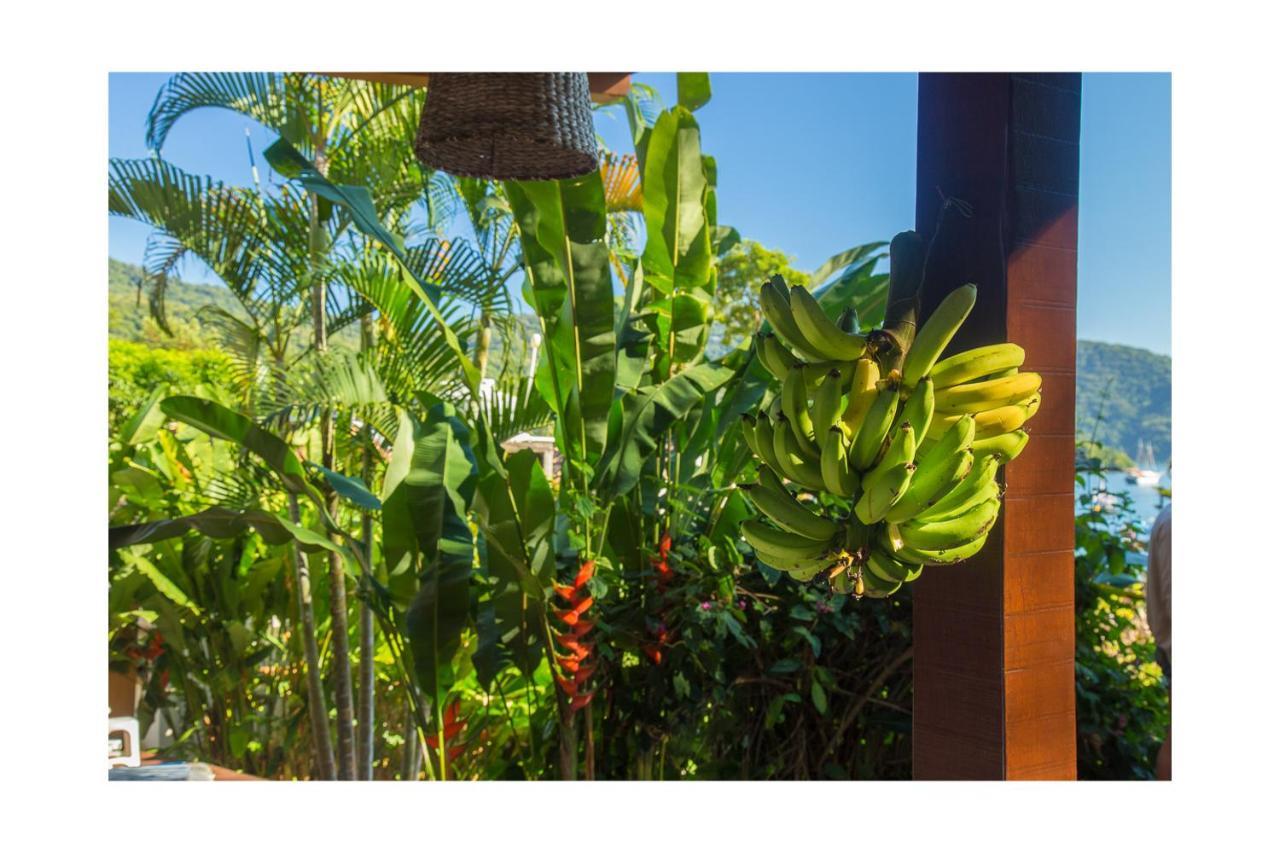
pixel 913 451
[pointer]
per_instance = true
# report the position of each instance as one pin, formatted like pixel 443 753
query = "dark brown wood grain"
pixel 994 637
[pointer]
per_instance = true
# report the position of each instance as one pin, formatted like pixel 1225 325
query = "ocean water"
pixel 1146 499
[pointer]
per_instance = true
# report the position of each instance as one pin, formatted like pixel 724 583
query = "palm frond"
pixel 282 102
pixel 511 405
pixel 621 176
pixel 335 382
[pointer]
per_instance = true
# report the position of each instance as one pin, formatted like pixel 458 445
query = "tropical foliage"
pixel 325 564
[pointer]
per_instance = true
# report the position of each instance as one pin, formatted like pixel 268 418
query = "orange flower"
pixel 576 665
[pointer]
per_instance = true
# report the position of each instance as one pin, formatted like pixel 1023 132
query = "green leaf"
pixel 424 526
pixel 222 523
pixel 358 204
pixel 350 488
pixel 819 697
pixel 515 511
pixel 562 233
pixel 644 417
pixel 693 89
pixel 160 581
pixel 220 422
pixel 142 426
pixel 677 251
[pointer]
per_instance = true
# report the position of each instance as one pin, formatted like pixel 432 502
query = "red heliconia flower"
pixel 576 663
pixel 452 728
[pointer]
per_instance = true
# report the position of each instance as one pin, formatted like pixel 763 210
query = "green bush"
pixel 135 370
pixel 1122 697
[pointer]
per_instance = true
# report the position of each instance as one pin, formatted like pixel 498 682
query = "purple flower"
pixel 742 604
pixel 706 605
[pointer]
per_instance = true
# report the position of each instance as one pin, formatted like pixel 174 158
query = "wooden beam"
pixel 606 86
pixel 995 637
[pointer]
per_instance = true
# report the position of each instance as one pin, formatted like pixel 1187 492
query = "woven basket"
pixel 506 126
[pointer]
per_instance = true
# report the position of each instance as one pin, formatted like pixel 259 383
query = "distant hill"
pixel 1131 389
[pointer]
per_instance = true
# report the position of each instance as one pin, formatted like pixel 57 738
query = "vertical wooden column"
pixel 995 636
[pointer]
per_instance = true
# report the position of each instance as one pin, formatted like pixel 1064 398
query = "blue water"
pixel 1146 499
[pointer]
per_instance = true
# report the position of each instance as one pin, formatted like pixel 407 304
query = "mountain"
pixel 1130 389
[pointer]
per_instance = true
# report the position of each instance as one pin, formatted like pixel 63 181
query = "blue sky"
pixel 814 163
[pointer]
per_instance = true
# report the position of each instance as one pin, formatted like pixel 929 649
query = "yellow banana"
pixel 773 499
pixel 862 393
pixel 1033 405
pixel 820 333
pixel 977 397
pixel 937 332
pixel 987 424
pixel 976 363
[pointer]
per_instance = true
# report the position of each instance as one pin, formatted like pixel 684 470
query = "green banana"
pixel 776 305
pixel 837 476
pixel 795 405
pixel 918 408
pixel 1005 447
pixel 937 332
pixel 749 434
pixel 901 451
pixel 980 485
pixel 773 355
pixel 976 363
pixel 784 543
pixel 869 440
pixel 773 499
pixel 798 462
pixel 764 442
pixel 820 333
pixel 928 482
pixel 876 587
pixel 977 397
pixel 879 496
pixel 862 393
pixel 826 404
pixel 815 374
pixel 950 532
pixel 890 569
pixel 944 556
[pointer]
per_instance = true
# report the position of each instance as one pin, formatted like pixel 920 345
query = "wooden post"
pixel 995 637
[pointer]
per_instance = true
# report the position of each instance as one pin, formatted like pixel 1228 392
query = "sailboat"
pixel 1145 473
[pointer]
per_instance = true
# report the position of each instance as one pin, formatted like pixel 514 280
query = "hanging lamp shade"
pixel 507 126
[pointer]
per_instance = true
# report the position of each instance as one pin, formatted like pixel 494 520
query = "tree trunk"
pixel 316 709
pixel 412 764
pixel 368 639
pixel 343 699
pixel 484 338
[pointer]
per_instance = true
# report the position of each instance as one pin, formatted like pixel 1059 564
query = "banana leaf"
pixel 562 232
pixel 223 523
pixel 515 511
pixel 424 529
pixel 220 422
pixel 642 417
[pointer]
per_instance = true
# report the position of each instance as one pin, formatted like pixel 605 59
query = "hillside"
pixel 1131 389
